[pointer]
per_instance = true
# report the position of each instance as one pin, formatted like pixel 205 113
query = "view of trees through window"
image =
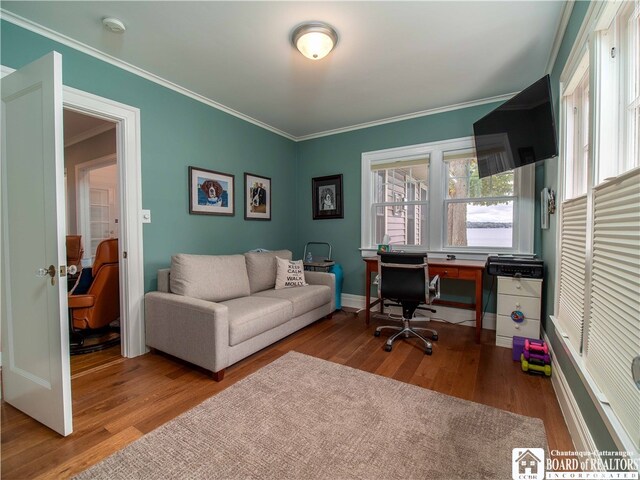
pixel 479 212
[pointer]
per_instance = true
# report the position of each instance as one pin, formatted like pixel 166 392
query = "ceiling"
pixel 78 126
pixel 393 59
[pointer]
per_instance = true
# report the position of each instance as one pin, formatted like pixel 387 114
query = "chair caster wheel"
pixel 376 333
pixel 434 337
pixel 387 348
pixel 428 351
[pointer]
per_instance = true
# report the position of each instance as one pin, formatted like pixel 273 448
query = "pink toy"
pixel 537 346
pixel 544 358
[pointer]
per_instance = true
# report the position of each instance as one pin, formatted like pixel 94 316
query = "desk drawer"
pixel 529 306
pixel 444 272
pixel 506 327
pixel 527 287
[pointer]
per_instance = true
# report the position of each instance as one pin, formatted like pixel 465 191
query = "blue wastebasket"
pixel 337 271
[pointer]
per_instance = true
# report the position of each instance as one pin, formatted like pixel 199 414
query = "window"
pixel 430 197
pixel 401 201
pixel 479 212
pixel 577 140
pixel 598 261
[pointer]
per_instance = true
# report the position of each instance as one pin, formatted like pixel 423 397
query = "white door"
pixel 35 330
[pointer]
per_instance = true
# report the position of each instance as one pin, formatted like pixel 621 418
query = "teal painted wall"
pixel 177 132
pixel 342 153
pixel 594 422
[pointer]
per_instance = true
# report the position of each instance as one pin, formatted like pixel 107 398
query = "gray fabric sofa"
pixel 215 310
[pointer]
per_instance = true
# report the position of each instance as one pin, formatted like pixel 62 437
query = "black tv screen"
pixel 519 132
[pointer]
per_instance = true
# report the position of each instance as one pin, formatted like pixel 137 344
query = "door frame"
pixel 128 151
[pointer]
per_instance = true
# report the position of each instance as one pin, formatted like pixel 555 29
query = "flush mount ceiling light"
pixel 314 39
pixel 113 25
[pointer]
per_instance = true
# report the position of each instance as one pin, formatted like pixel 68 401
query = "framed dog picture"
pixel 327 197
pixel 210 193
pixel 257 197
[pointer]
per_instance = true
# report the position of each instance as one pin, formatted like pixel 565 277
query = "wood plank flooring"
pixel 117 400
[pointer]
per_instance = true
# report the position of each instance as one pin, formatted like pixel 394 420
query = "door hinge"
pixel 613 52
pixel 124 254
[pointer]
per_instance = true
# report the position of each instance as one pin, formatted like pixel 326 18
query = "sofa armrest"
pixel 188 328
pixel 323 278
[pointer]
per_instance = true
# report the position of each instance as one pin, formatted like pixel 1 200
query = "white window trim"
pixel 524 205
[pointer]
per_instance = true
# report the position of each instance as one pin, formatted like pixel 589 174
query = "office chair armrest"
pixel 81 301
pixel 434 286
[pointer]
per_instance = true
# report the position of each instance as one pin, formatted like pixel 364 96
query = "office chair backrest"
pixel 106 253
pixel 74 250
pixel 408 280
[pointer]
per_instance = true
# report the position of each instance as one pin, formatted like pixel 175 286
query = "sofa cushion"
pixel 304 299
pixel 251 316
pixel 261 267
pixel 209 277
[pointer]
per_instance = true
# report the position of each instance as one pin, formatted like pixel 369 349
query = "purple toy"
pixel 518 347
pixel 544 358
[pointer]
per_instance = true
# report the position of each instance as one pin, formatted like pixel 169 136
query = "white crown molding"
pixel 89 133
pixel 70 42
pixel 560 31
pixel 76 45
pixel 409 116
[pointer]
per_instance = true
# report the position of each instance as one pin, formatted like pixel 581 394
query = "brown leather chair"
pixel 94 302
pixel 74 251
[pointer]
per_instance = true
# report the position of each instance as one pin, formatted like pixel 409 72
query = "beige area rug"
pixel 305 418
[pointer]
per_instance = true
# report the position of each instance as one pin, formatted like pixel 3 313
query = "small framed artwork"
pixel 257 197
pixel 210 192
pixel 327 197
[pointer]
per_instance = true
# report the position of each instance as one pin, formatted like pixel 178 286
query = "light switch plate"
pixel 146 216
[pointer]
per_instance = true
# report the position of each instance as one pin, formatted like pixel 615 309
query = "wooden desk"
pixel 470 270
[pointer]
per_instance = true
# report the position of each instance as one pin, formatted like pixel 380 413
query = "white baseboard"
pixel 459 316
pixel 580 434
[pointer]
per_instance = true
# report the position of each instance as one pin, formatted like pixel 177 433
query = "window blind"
pixel 573 237
pixel 614 307
pixel 384 165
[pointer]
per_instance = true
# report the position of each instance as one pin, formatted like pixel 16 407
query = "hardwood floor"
pixel 117 400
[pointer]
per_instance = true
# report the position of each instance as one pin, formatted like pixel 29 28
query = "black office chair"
pixel 404 279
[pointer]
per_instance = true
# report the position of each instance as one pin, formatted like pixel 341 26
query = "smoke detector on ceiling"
pixel 113 25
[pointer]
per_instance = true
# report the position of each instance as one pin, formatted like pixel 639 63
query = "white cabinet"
pixel 517 294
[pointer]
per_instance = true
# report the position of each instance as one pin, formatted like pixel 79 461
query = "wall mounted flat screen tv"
pixel 519 132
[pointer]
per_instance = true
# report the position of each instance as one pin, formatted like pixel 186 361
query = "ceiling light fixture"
pixel 113 25
pixel 314 40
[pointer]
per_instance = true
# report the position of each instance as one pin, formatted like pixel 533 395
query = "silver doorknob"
pixel 72 269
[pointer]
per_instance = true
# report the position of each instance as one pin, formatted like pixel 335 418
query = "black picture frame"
pixel 327 199
pixel 217 199
pixel 257 197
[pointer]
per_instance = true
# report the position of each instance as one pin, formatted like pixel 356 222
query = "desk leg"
pixel 367 295
pixel 479 293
